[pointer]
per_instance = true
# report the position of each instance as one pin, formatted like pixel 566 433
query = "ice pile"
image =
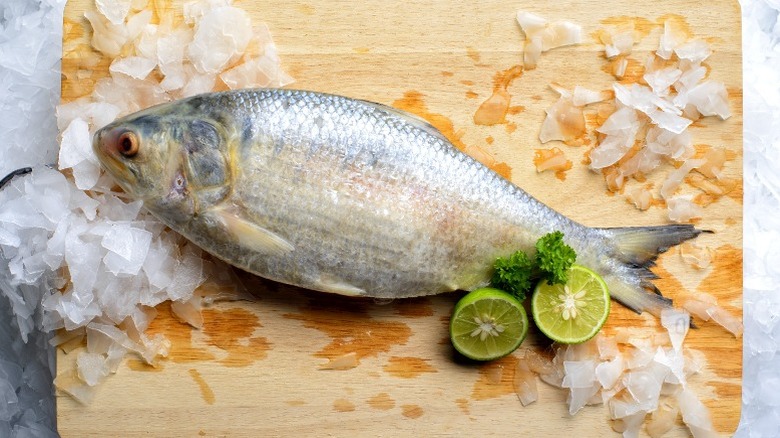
pixel 641 377
pixel 29 80
pixel 647 123
pixel 30 50
pixel 106 260
pixel 761 365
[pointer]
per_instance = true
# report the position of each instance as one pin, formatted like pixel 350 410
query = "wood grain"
pixel 255 367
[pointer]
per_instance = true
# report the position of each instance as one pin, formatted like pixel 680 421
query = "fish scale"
pixel 353 197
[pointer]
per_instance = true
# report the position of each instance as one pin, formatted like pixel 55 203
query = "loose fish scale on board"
pixel 286 388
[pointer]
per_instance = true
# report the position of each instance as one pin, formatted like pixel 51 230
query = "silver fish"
pixel 350 197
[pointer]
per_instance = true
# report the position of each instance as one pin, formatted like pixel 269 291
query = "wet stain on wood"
pixel 139 365
pixel 296 402
pixel 306 9
pixel 726 273
pixel 351 329
pixel 515 109
pixel 412 411
pixel 463 405
pixel 344 362
pixel 473 54
pixel 634 71
pixel 642 26
pixel 381 401
pixel 205 389
pixel 413 307
pixel 343 405
pixel 180 335
pixel 229 330
pixel 496 379
pixel 232 330
pixel 725 278
pixel 413 102
pixel 678 22
pixel 408 367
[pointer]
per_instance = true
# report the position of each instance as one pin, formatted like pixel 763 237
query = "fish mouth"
pixel 109 157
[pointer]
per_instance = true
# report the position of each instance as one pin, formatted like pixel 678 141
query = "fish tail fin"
pixel 634 251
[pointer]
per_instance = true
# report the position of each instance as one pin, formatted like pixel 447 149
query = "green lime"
pixel 573 312
pixel 487 324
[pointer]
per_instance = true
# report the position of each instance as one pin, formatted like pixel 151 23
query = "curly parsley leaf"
pixel 514 274
pixel 518 273
pixel 554 258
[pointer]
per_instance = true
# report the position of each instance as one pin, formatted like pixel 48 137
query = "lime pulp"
pixel 487 324
pixel 574 312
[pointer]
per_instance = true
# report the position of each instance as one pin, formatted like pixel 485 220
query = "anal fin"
pixel 326 283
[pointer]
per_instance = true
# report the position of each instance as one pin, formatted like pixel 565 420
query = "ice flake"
pixel 91 367
pixel 622 44
pixel 579 374
pixel 583 96
pixel 187 276
pixel 675 177
pixel 127 247
pixel 541 36
pixel 136 67
pixel 695 51
pixel 114 10
pixel 221 36
pixel 564 122
pixel 665 142
pixel 524 383
pixel 671 38
pixel 695 415
pixel 608 373
pixel 83 258
pixel 676 323
pixel 76 145
pixel 682 209
pixel 661 80
pixel 711 99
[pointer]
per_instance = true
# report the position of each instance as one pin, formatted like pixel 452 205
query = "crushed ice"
pixel 107 260
pixel 649 123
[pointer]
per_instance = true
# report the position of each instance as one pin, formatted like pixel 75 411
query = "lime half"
pixel 573 312
pixel 487 324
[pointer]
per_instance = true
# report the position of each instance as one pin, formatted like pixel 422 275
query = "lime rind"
pixel 585 297
pixel 488 324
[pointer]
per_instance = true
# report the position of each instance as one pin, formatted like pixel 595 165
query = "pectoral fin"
pixel 251 235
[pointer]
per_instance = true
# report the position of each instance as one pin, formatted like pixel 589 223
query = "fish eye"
pixel 128 144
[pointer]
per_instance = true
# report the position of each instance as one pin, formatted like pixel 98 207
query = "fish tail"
pixel 634 251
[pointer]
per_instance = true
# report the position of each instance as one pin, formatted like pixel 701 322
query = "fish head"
pixel 168 157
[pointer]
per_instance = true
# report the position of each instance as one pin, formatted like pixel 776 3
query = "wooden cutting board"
pixel 255 367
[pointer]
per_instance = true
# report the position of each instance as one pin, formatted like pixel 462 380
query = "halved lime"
pixel 487 324
pixel 573 312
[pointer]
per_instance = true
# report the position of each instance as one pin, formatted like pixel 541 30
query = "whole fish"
pixel 350 197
